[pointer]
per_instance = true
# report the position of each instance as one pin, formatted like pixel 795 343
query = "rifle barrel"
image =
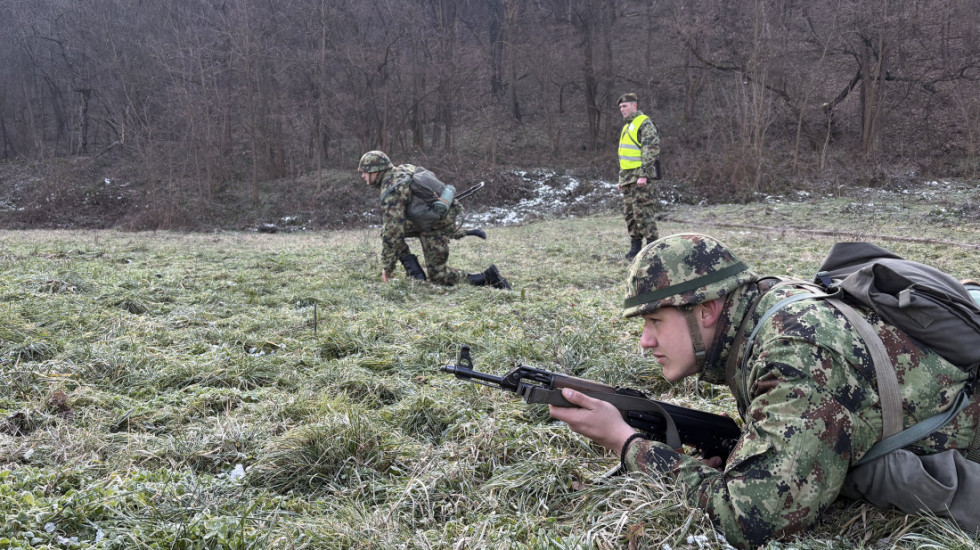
pixel 464 373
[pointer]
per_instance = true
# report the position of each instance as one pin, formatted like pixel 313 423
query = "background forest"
pixel 186 113
pixel 230 390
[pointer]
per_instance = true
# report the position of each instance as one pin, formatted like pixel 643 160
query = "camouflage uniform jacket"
pixel 811 409
pixel 649 151
pixel 394 216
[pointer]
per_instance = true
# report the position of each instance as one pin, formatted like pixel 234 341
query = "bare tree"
pixel 206 96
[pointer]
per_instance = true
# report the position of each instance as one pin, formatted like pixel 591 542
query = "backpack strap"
pixel 410 168
pixel 392 187
pixel 888 388
pixel 919 431
pixel 973 452
pixel 893 437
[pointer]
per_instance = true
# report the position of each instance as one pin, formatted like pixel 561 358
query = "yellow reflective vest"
pixel 630 154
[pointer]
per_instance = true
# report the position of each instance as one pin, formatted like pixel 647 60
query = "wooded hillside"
pixel 200 98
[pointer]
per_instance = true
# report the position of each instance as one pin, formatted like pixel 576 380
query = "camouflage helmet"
pixel 374 161
pixel 682 270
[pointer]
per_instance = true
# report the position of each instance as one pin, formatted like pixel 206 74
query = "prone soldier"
pixel 807 390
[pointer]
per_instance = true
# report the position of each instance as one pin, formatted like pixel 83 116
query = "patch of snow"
pixel 237 472
pixel 552 195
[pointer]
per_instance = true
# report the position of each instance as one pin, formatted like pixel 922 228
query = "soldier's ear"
pixel 710 311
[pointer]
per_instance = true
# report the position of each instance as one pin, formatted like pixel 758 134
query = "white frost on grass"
pixel 702 542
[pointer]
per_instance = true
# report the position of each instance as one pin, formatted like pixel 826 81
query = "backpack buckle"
pixel 823 278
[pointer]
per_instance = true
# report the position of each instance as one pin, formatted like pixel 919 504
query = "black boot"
pixel 490 277
pixel 478 232
pixel 412 266
pixel 635 246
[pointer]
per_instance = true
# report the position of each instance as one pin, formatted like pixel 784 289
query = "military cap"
pixel 627 98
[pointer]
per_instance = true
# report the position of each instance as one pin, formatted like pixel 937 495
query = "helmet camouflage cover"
pixel 374 161
pixel 681 270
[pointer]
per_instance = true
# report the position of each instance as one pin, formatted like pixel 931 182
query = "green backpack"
pixel 431 199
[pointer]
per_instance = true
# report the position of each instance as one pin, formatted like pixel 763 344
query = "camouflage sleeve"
pixel 649 147
pixel 789 464
pixel 395 221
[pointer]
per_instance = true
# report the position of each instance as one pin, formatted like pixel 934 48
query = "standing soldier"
pixel 639 147
pixel 406 213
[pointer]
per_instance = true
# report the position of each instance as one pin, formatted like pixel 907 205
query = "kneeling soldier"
pixel 407 212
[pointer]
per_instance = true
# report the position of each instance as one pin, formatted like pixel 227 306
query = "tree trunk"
pixel 86 94
pixel 872 71
pixel 447 25
pixel 496 30
pixel 591 86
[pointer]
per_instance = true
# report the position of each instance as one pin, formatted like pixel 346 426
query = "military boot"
pixel 490 277
pixel 635 246
pixel 478 232
pixel 412 266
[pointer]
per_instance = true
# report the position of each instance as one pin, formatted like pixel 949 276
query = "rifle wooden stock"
pixel 712 434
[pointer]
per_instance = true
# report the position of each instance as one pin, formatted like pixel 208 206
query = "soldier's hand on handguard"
pixel 596 419
pixel 641 182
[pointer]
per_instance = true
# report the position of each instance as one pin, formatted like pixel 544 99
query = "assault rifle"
pixel 712 434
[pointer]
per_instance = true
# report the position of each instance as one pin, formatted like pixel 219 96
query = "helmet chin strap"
pixel 696 340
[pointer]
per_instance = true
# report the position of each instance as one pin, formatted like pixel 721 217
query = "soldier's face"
pixel 628 108
pixel 667 338
pixel 369 177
